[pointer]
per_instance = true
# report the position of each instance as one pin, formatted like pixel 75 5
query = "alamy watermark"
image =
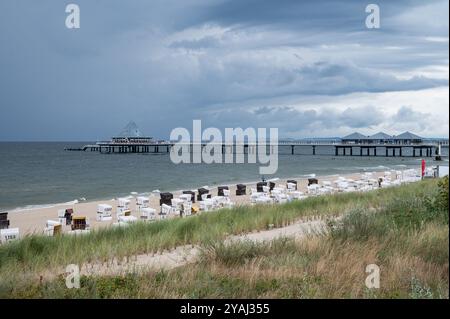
pixel 211 146
pixel 373 19
pixel 73 19
pixel 373 279
pixel 73 276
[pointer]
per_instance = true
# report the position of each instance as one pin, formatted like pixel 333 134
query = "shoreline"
pixel 345 172
pixel 33 220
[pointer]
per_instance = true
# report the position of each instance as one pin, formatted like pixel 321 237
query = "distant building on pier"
pixel 131 135
pixel 381 138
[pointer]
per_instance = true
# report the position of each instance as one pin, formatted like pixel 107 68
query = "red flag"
pixel 423 168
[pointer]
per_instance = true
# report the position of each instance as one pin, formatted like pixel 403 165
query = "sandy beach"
pixel 33 221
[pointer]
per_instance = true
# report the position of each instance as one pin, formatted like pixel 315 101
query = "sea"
pixel 42 174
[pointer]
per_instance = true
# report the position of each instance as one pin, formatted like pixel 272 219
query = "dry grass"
pixel 407 237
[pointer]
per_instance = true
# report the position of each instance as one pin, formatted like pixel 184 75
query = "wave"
pixel 42 206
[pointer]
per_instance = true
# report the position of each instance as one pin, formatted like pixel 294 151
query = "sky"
pixel 308 68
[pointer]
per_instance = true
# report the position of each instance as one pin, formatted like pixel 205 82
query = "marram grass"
pixel 404 230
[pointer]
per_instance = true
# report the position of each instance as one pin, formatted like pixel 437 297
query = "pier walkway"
pixel 289 147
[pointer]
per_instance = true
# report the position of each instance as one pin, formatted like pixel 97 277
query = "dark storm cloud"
pixel 293 120
pixel 164 63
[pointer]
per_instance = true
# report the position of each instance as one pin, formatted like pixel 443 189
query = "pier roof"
pixel 407 136
pixel 355 136
pixel 380 136
pixel 131 130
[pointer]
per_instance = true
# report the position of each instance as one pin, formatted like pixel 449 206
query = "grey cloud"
pixel 366 116
pixel 119 65
pixel 407 115
pixel 289 120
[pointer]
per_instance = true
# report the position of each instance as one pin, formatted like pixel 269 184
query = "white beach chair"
pixel 50 227
pixel 296 195
pixel 281 198
pixel 291 187
pixel 127 219
pixel 104 212
pixel 8 235
pixel 142 202
pixel 148 214
pixel 177 205
pixel 186 197
pixel 206 204
pixel 123 202
pixel 264 199
pixel 313 189
pixel 166 210
pixel 187 208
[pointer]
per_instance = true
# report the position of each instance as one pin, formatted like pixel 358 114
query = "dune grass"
pixel 404 230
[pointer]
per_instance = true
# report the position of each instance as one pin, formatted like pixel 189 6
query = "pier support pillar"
pixel 292 149
pixel 336 152
pixel 314 150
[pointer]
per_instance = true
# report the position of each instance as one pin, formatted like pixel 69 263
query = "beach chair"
pixel 177 206
pixel 4 222
pixel 296 195
pixel 241 190
pixel 187 208
pixel 50 226
pixel 186 197
pixel 68 216
pixel 79 223
pixel 206 204
pixel 259 186
pixel 190 193
pixel 142 202
pixel 8 235
pixel 61 213
pixel 280 198
pixel 313 189
pixel 127 219
pixel 166 210
pixel 104 212
pixel 221 189
pixel 148 214
pixel 203 191
pixel 312 181
pixel 264 199
pixel 291 185
pixel 123 202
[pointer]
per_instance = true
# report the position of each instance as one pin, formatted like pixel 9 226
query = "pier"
pixel 287 147
pixel 378 145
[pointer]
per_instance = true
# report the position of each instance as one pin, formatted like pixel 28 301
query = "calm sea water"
pixel 43 173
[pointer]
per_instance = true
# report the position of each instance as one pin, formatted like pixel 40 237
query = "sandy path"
pixel 187 254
